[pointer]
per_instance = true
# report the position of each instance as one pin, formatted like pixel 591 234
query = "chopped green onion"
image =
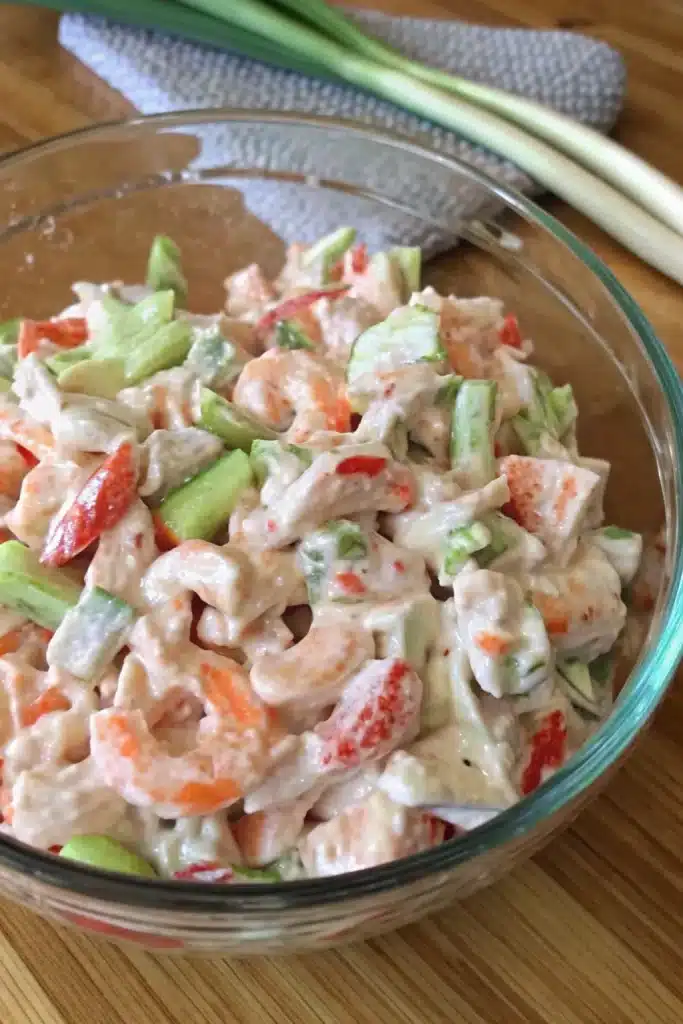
pixel 462 543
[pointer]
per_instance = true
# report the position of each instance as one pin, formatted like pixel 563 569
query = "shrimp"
pixel 294 391
pixel 234 748
pixel 18 426
pixel 13 468
pixel 247 291
pixel 221 577
pixel 167 399
pixel 264 836
pixel 378 709
pixel 48 487
pixel 370 833
pixel 313 672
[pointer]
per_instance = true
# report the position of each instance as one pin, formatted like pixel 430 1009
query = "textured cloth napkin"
pixel 574 74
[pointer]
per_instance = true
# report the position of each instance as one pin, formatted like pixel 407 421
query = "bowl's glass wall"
pixel 87 206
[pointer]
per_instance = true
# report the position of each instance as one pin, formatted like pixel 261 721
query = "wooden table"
pixel 591 929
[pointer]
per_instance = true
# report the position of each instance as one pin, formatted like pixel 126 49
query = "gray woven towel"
pixel 577 75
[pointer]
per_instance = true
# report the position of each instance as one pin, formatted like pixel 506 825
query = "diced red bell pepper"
pixel 350 582
pixel 103 501
pixel 359 258
pixel 68 333
pixel 509 333
pixel 28 456
pixel 548 749
pixel 368 465
pixel 205 871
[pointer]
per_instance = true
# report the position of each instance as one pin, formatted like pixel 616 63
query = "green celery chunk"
pixel 5 385
pixel 91 634
pixel 464 542
pixel 474 412
pixel 564 407
pixel 245 874
pixel 408 260
pixel 103 378
pixel 503 536
pixel 62 361
pixel 328 250
pixel 199 508
pixel 577 675
pixel 214 358
pixel 289 335
pixel 168 346
pixel 265 455
pixel 163 268
pixel 234 427
pixel 9 331
pixel 337 540
pixel 107 854
pixel 409 334
pixel 126 327
pixel 448 391
pixel 43 595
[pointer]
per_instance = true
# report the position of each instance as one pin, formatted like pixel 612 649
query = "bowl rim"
pixel 652 672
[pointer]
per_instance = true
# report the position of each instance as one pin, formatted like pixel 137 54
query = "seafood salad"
pixel 299 588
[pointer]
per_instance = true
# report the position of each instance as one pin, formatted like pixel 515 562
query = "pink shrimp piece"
pixel 247 291
pixel 312 673
pixel 295 391
pixel 13 469
pixel 370 833
pixel 266 835
pixel 377 708
pixel 17 425
pixel 232 752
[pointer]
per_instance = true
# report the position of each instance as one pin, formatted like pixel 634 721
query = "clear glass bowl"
pixel 86 206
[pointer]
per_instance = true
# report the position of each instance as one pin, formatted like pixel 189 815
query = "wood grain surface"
pixel 590 931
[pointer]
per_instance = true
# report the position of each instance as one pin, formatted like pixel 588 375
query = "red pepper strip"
pixel 350 582
pixel 28 456
pixel 359 258
pixel 290 307
pixel 103 501
pixel 368 465
pixel 205 871
pixel 509 333
pixel 548 747
pixel 68 333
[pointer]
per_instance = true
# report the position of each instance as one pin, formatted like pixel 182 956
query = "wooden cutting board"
pixel 591 930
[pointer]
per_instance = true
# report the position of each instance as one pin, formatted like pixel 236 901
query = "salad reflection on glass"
pixel 274 581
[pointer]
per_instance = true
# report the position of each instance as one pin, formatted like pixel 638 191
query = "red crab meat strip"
pixel 102 502
pixel 375 711
pixel 290 307
pixel 548 750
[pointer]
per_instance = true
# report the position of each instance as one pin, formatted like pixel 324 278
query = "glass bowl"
pixel 222 184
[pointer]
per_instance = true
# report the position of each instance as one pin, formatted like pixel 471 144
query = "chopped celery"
pixel 106 853
pixel 126 327
pixel 215 359
pixel 503 536
pixel 328 250
pixel 163 268
pixel 562 402
pixel 474 412
pixel 289 335
pixel 245 874
pixel 408 335
pixel 408 260
pixel 577 675
pixel 103 378
pixel 406 629
pixel 464 542
pixel 203 505
pixel 168 346
pixel 9 331
pixel 448 391
pixel 5 385
pixel 338 540
pixel 234 427
pixel 8 360
pixel 602 669
pixel 549 414
pixel 622 549
pixel 530 662
pixel 43 595
pixel 62 361
pixel 265 455
pixel 90 634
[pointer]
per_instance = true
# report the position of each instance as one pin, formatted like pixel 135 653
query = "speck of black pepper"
pixel 466 761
